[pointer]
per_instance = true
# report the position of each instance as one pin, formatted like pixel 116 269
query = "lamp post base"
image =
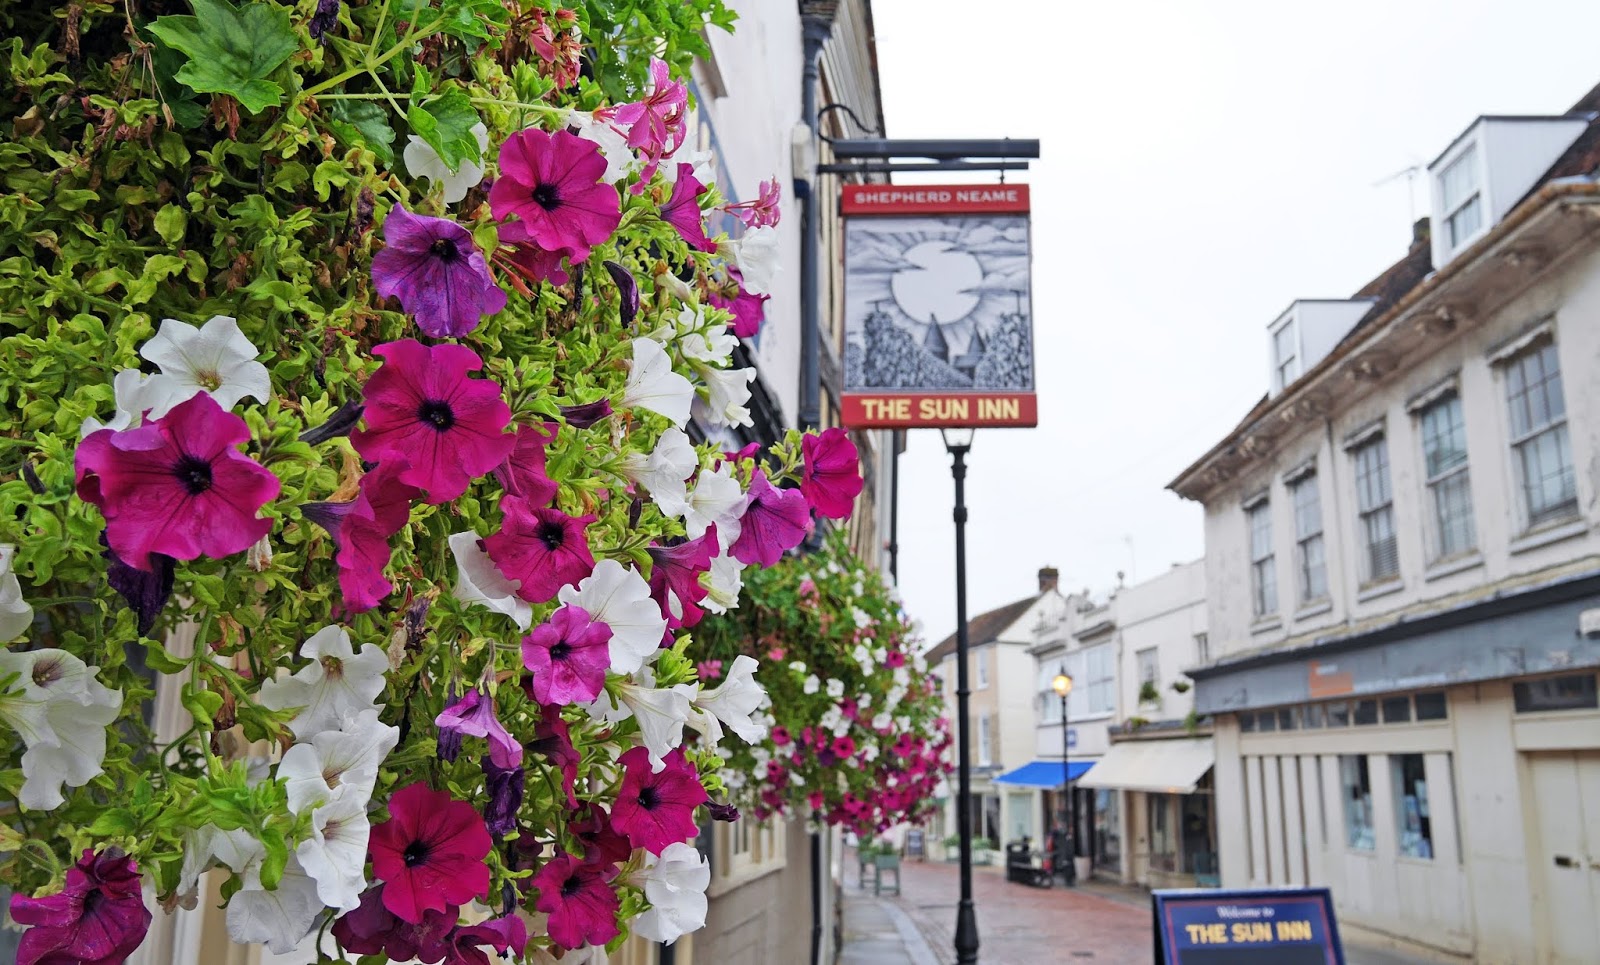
pixel 966 933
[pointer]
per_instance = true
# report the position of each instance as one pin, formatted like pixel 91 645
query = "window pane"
pixel 1366 712
pixel 1267 721
pixel 1339 714
pixel 1549 485
pixel 1452 510
pixel 1383 553
pixel 1357 794
pixel 1460 179
pixel 1444 436
pixel 1396 710
pixel 1247 723
pixel 1409 779
pixel 1576 692
pixel 1432 706
pixel 1307 507
pixel 1289 718
pixel 1465 222
pixel 1313 716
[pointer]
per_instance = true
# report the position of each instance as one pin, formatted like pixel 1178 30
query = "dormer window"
pixel 1462 198
pixel 1285 354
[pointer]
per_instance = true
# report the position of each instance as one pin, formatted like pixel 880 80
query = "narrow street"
pixel 1017 924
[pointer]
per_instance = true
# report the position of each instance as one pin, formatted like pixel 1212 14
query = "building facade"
pixel 1403 573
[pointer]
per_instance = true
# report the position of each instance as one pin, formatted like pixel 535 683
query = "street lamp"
pixel 1062 685
pixel 958 442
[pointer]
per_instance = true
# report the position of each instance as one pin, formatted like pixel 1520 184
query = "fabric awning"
pixel 1155 766
pixel 1045 774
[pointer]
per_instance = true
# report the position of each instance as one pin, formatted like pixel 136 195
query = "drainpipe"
pixel 816 29
pixel 894 506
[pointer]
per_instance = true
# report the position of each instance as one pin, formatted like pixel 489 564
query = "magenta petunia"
pixel 506 934
pixel 552 182
pixel 543 548
pixel 473 716
pixel 675 578
pixel 177 486
pixel 371 929
pixel 844 746
pixel 749 309
pixel 602 844
pixel 522 474
pixel 421 406
pixel 362 528
pixel 832 476
pixel 430 852
pixel 567 657
pixel 552 740
pixel 581 904
pixel 655 810
pixel 682 210
pixel 655 125
pixel 774 521
pixel 436 270
pixel 534 263
pixel 97 918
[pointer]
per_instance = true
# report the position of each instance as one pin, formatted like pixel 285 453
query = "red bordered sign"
pixel 938 306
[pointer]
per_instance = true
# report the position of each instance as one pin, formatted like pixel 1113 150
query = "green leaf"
pixel 232 50
pixel 446 125
pixel 114 822
pixel 203 706
pixel 362 124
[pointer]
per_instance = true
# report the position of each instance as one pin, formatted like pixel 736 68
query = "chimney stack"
pixel 1048 577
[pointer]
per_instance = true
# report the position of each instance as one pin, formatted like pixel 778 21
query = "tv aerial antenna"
pixel 1410 173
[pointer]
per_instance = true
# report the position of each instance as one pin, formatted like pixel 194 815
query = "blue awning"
pixel 1044 774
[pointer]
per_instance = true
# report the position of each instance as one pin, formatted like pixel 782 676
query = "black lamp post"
pixel 958 442
pixel 1062 685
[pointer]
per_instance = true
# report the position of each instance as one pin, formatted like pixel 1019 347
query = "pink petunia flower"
pixel 780 735
pixel 682 210
pixel 436 270
pixel 763 211
pixel 895 660
pixel 602 844
pixel 581 905
pixel 430 852
pixel 844 747
pixel 675 577
pixel 749 309
pixel 832 476
pixel 522 474
pixel 421 406
pixel 98 917
pixel 656 810
pixel 362 528
pixel 473 716
pixel 567 657
pixel 534 263
pixel 552 740
pixel 708 669
pixel 655 125
pixel 544 548
pixel 505 934
pixel 373 930
pixel 774 521
pixel 177 486
pixel 552 182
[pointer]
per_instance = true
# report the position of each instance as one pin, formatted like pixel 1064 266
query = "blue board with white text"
pixel 1270 927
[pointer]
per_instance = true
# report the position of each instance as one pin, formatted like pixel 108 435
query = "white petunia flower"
pixel 478 580
pixel 662 714
pixel 722 582
pixel 620 159
pixel 665 470
pixel 336 853
pixel 61 711
pixel 653 385
pixel 709 344
pixel 883 721
pixel 797 666
pixel 756 254
pixel 16 614
pixel 869 753
pixel 208 846
pixel 715 500
pixel 675 885
pixel 620 598
pixel 812 684
pixel 335 761
pixel 424 162
pixel 136 393
pixel 835 688
pixel 338 683
pixel 216 359
pixel 281 918
pixel 728 395
pixel 700 161
pixel 737 700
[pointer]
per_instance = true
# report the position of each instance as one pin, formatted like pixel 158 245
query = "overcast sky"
pixel 1204 165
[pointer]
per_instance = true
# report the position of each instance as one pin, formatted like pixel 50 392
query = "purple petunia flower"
pixel 437 272
pixel 98 917
pixel 682 210
pixel 587 414
pixel 774 521
pixel 567 657
pixel 473 716
pixel 675 578
pixel 749 309
pixel 504 786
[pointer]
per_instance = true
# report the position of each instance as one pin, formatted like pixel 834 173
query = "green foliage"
pixel 231 50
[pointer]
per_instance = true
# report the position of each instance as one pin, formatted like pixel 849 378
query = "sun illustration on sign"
pixel 941 286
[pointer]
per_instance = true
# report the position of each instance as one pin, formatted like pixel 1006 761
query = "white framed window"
pixel 1356 789
pixel 1202 647
pixel 1286 353
pixel 1380 558
pixel 1461 199
pixel 744 849
pixel 1049 702
pixel 980 660
pixel 1541 453
pixel 1444 460
pixel 1100 670
pixel 1310 555
pixel 985 759
pixel 1263 575
pixel 1408 779
pixel 1149 665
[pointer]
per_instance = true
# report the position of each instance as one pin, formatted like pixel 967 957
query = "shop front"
pixel 1158 793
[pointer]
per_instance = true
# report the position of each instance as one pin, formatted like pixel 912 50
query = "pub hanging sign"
pixel 938 306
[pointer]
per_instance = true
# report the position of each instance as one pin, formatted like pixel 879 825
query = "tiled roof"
pixel 983 628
